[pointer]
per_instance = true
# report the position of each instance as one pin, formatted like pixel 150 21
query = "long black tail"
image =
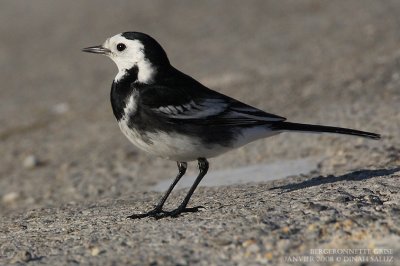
pixel 317 128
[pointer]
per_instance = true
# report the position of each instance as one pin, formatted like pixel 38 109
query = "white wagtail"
pixel 169 114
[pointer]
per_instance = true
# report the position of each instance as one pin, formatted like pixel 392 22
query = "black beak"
pixel 96 50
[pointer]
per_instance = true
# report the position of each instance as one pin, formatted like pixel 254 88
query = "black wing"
pixel 200 106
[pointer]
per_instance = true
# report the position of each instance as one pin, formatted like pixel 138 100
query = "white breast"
pixel 171 146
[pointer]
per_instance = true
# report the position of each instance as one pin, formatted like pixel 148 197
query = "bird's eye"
pixel 121 47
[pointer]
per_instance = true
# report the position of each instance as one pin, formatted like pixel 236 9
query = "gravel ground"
pixel 68 177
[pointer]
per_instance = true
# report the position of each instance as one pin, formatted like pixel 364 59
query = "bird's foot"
pixel 153 213
pixel 158 213
pixel 178 211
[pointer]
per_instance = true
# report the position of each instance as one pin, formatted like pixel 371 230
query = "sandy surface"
pixel 68 177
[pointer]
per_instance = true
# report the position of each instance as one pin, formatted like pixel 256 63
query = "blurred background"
pixel 326 62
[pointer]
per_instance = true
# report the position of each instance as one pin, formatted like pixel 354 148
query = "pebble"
pixel 253 248
pixel 95 251
pixel 30 162
pixel 10 197
pixel 222 241
pixel 22 256
pixel 61 108
pixel 317 207
pixel 344 198
pixel 248 243
pixel 373 199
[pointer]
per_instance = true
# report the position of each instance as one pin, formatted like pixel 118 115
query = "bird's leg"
pixel 182 166
pixel 203 167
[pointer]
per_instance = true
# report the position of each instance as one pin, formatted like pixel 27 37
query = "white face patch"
pixel 132 55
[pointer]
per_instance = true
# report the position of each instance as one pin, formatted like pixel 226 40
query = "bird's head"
pixel 134 51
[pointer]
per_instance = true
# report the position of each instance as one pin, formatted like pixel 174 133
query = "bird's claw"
pixel 175 213
pixel 153 213
pixel 158 214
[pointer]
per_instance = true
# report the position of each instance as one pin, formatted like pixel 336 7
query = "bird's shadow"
pixel 354 176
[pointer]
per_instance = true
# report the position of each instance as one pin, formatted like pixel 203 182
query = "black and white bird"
pixel 171 115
